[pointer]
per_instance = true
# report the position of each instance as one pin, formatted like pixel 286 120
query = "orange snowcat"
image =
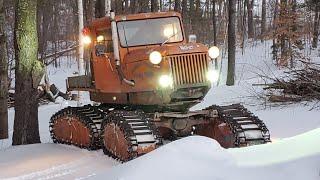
pixel 145 76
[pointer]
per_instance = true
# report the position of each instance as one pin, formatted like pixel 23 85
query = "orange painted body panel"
pixel 106 77
pixel 107 85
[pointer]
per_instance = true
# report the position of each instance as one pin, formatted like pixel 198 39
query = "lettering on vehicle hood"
pixel 186 47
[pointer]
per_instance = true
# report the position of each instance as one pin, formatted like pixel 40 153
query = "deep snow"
pixel 50 161
pixel 202 158
pixel 189 158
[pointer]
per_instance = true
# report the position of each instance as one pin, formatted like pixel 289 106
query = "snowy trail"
pixel 50 161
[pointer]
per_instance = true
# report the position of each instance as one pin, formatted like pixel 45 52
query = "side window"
pixel 104 42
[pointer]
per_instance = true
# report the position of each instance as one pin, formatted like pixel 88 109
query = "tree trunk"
pixel 108 6
pixel 283 37
pixel 133 6
pixel 161 5
pixel 154 6
pixel 231 43
pixel 29 72
pixel 274 39
pixel 177 5
pixel 263 19
pixel 192 16
pixel 126 7
pixel 88 9
pixel 100 8
pixel 3 77
pixel 250 19
pixel 316 27
pixel 184 9
pixel 214 22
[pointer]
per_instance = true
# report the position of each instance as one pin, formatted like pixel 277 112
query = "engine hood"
pixel 141 54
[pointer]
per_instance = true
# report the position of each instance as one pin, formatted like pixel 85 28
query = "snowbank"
pixel 198 157
pixel 194 157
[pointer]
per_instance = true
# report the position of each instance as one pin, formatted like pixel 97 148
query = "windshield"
pixel 149 31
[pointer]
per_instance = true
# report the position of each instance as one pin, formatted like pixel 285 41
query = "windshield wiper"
pixel 173 35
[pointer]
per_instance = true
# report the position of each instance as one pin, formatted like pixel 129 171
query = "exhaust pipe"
pixel 116 53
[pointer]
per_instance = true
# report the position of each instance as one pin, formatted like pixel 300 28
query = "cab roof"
pixel 105 22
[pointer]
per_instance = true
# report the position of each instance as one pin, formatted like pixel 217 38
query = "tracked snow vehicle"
pixel 146 76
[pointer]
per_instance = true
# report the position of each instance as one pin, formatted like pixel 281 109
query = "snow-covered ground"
pixel 202 158
pixel 294 153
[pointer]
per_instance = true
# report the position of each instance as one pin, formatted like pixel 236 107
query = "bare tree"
pixel 107 4
pixel 316 26
pixel 274 25
pixel 214 22
pixel 283 36
pixel 154 6
pixel 3 77
pixel 143 6
pixel 89 11
pixel 29 72
pixel 263 18
pixel 250 4
pixel 133 6
pixel 177 5
pixel 231 42
pixel 100 8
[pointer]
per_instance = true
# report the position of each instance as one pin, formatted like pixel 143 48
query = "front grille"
pixel 189 68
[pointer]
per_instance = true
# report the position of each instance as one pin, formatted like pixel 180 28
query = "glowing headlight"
pixel 86 40
pixel 100 38
pixel 213 76
pixel 214 52
pixel 165 81
pixel 155 57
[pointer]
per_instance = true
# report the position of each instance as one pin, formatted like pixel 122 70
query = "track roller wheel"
pixel 71 126
pixel 127 135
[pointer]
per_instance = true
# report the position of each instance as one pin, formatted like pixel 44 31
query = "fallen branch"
pixel 298 85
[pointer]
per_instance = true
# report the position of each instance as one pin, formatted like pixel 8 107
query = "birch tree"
pixel 108 7
pixel 81 47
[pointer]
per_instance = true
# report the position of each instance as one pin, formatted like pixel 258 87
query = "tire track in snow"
pixel 61 171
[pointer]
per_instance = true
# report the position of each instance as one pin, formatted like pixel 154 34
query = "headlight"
pixel 213 76
pixel 86 40
pixel 100 39
pixel 214 52
pixel 155 57
pixel 165 81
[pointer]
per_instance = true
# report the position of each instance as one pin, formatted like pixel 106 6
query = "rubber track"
pixel 122 119
pixel 90 116
pixel 237 116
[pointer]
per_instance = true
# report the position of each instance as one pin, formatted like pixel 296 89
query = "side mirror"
pixel 192 38
pixel 101 49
